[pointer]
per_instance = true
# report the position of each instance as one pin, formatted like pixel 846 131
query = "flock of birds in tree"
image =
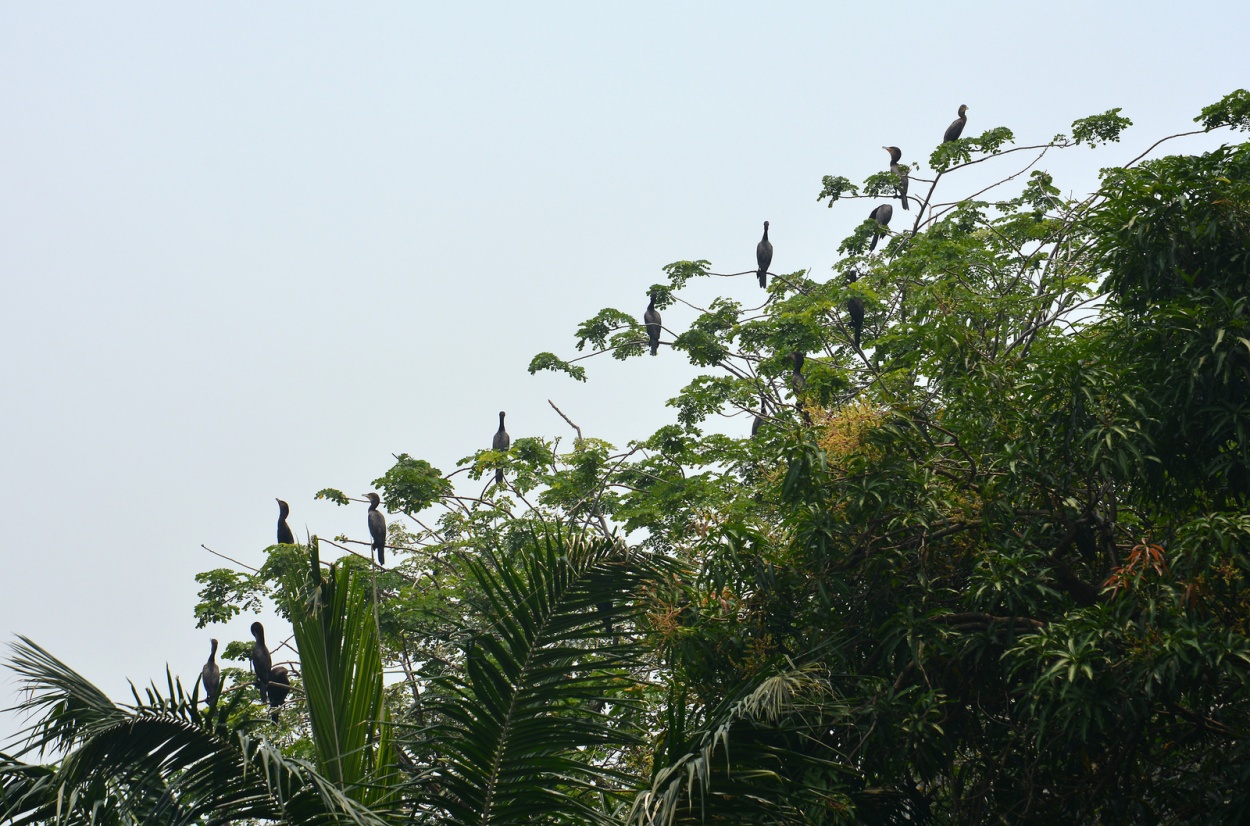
pixel 273 681
pixel 881 214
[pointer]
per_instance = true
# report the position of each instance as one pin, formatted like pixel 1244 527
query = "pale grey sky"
pixel 250 250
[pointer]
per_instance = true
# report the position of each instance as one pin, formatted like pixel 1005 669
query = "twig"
pixel 231 559
pixel 566 418
pixel 370 557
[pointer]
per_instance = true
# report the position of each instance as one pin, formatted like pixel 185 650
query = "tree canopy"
pixel 986 557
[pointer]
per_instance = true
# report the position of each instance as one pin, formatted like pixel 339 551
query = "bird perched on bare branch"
pixel 652 319
pixel 377 527
pixel 763 257
pixel 896 155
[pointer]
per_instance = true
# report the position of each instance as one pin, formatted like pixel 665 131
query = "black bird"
pixel 605 610
pixel 285 537
pixel 855 306
pixel 261 663
pixel 882 215
pixel 279 687
pixel 652 319
pixel 377 527
pixel 503 441
pixel 759 417
pixel 210 674
pixel 957 126
pixel 895 155
pixel 763 257
pixel 797 383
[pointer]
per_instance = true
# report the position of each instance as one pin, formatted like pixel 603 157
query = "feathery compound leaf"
pixel 520 730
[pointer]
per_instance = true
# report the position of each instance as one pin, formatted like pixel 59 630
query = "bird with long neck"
pixel 882 215
pixel 797 382
pixel 896 155
pixel 763 257
pixel 279 687
pixel 210 675
pixel 957 126
pixel 262 664
pixel 501 443
pixel 652 319
pixel 855 306
pixel 285 537
pixel 377 528
pixel 759 417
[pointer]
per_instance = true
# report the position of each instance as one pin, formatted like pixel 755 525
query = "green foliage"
pixel 1233 111
pixel 680 272
pixel 991 565
pixel 549 361
pixel 519 741
pixel 159 761
pixel 412 485
pixel 834 187
pixel 1176 226
pixel 224 594
pixel 1098 129
pixel 332 495
pixel 604 324
pixel 341 665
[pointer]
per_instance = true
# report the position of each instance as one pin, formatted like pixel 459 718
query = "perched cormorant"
pixel 503 441
pixel 652 319
pixel 763 257
pixel 759 417
pixel 882 215
pixel 957 126
pixel 797 383
pixel 285 537
pixel 210 674
pixel 377 527
pixel 855 306
pixel 605 609
pixel 279 687
pixel 261 663
pixel 895 155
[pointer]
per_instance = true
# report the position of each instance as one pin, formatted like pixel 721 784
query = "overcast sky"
pixel 251 250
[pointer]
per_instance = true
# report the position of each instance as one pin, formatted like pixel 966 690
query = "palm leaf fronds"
pixel 152 763
pixel 523 738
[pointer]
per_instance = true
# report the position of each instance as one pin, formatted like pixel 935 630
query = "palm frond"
pixel 154 763
pixel 781 768
pixel 521 740
pixel 341 667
